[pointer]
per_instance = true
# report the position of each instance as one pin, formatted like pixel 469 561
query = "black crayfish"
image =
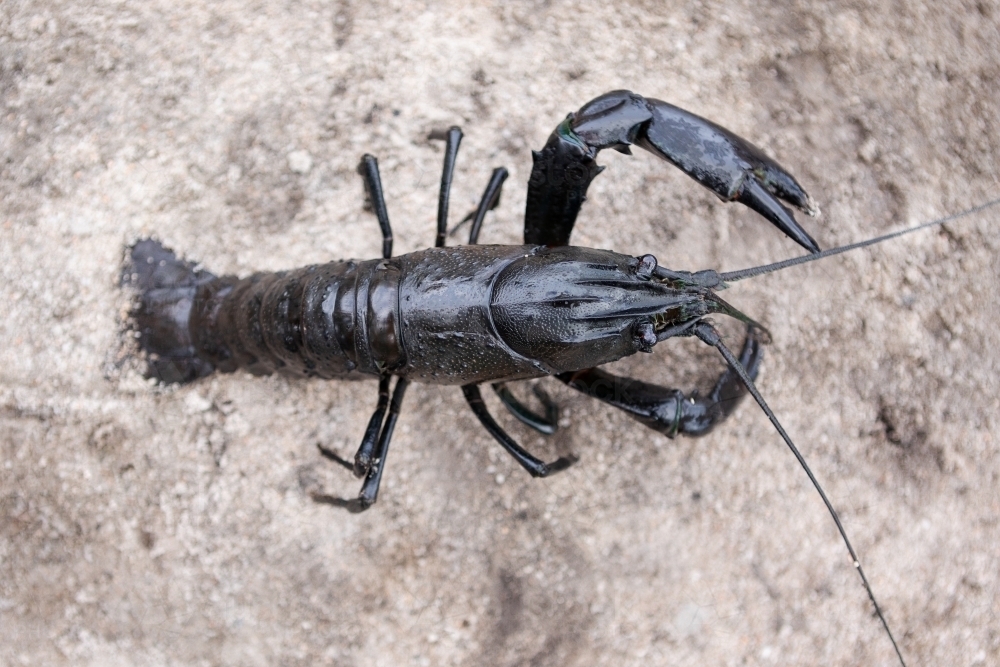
pixel 474 314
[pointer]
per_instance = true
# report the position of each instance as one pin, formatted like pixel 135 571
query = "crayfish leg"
pixel 376 458
pixel 546 424
pixel 535 466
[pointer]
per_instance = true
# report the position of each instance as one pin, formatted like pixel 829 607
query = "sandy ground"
pixel 143 526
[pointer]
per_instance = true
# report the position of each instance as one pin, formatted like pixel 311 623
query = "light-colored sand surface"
pixel 141 526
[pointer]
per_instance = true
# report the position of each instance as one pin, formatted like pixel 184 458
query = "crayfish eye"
pixel 644 336
pixel 645 268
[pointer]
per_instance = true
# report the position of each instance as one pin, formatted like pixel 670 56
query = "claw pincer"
pixel 728 165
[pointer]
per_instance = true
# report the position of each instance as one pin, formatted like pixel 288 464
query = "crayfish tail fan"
pixel 165 289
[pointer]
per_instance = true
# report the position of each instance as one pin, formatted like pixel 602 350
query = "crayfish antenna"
pixel 752 272
pixel 708 334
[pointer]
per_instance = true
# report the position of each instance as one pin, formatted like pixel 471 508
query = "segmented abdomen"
pixel 191 322
pixel 278 321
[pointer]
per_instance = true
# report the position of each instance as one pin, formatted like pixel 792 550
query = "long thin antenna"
pixel 707 333
pixel 733 276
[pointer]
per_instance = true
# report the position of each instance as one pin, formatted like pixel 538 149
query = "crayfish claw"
pixel 728 165
pixel 780 183
pixel 725 163
pixel 755 196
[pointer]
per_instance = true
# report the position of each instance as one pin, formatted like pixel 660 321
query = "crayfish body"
pixel 474 314
pixel 454 316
